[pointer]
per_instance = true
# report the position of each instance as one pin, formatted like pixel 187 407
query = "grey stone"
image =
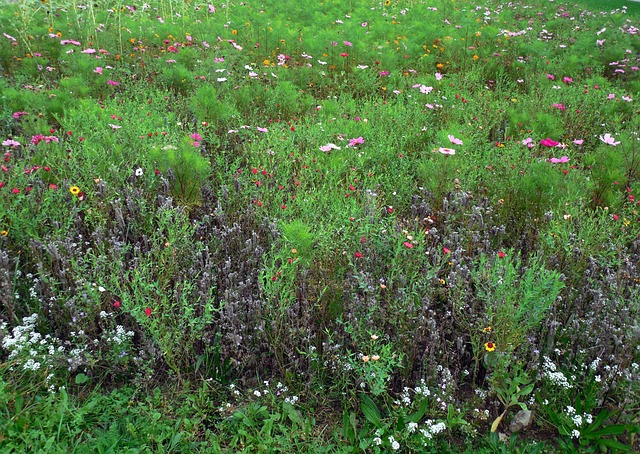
pixel 521 420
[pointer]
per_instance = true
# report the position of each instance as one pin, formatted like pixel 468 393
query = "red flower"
pixel 408 245
pixel 501 254
pixel 147 311
pixel 358 255
pixel 116 304
pixel 15 191
pixel 445 250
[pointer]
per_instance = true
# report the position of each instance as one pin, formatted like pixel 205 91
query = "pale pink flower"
pixel 609 140
pixel 328 147
pixel 454 141
pixel 98 70
pixel 561 160
pixel 447 151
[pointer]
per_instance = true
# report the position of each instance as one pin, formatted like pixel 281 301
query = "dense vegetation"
pixel 338 226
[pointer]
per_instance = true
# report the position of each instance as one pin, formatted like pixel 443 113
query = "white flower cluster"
pixel 120 336
pixel 25 339
pixel 578 419
pixel 432 428
pixel 556 377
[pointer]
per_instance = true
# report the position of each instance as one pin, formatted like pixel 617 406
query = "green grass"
pixel 336 227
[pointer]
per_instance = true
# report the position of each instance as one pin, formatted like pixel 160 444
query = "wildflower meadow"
pixel 329 227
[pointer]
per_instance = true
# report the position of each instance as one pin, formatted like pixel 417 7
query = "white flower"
pixel 377 441
pixel 139 172
pixel 412 426
pixel 575 433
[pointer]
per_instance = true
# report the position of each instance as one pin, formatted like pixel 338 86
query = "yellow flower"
pixel 294 251
pixel 75 190
pixel 266 62
pixel 486 330
pixel 387 2
pixel 234 32
pixel 4 233
pixel 475 57
pixel 489 346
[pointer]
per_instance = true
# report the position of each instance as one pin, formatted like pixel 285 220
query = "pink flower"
pixel 408 245
pixel 438 76
pixel 445 250
pixel 11 143
pixel 561 160
pixel 551 77
pixel 17 115
pixel 328 147
pixel 88 51
pixel 609 140
pixel 262 129
pixel 559 106
pixel 356 141
pixel 600 42
pixel 348 43
pixel 364 24
pixel 578 141
pixel 98 70
pixel 113 82
pixel 147 311
pixel 344 54
pixel 195 136
pixel 548 142
pixel 447 151
pixel 212 9
pixel 454 140
pixel 567 80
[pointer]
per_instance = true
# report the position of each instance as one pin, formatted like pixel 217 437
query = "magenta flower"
pixel 551 77
pixel 561 160
pixel 548 142
pixel 98 70
pixel 113 82
pixel 567 80
pixel 609 140
pixel 559 106
pixel 17 115
pixel 348 43
pixel 356 141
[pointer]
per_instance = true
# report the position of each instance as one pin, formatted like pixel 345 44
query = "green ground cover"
pixel 364 226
